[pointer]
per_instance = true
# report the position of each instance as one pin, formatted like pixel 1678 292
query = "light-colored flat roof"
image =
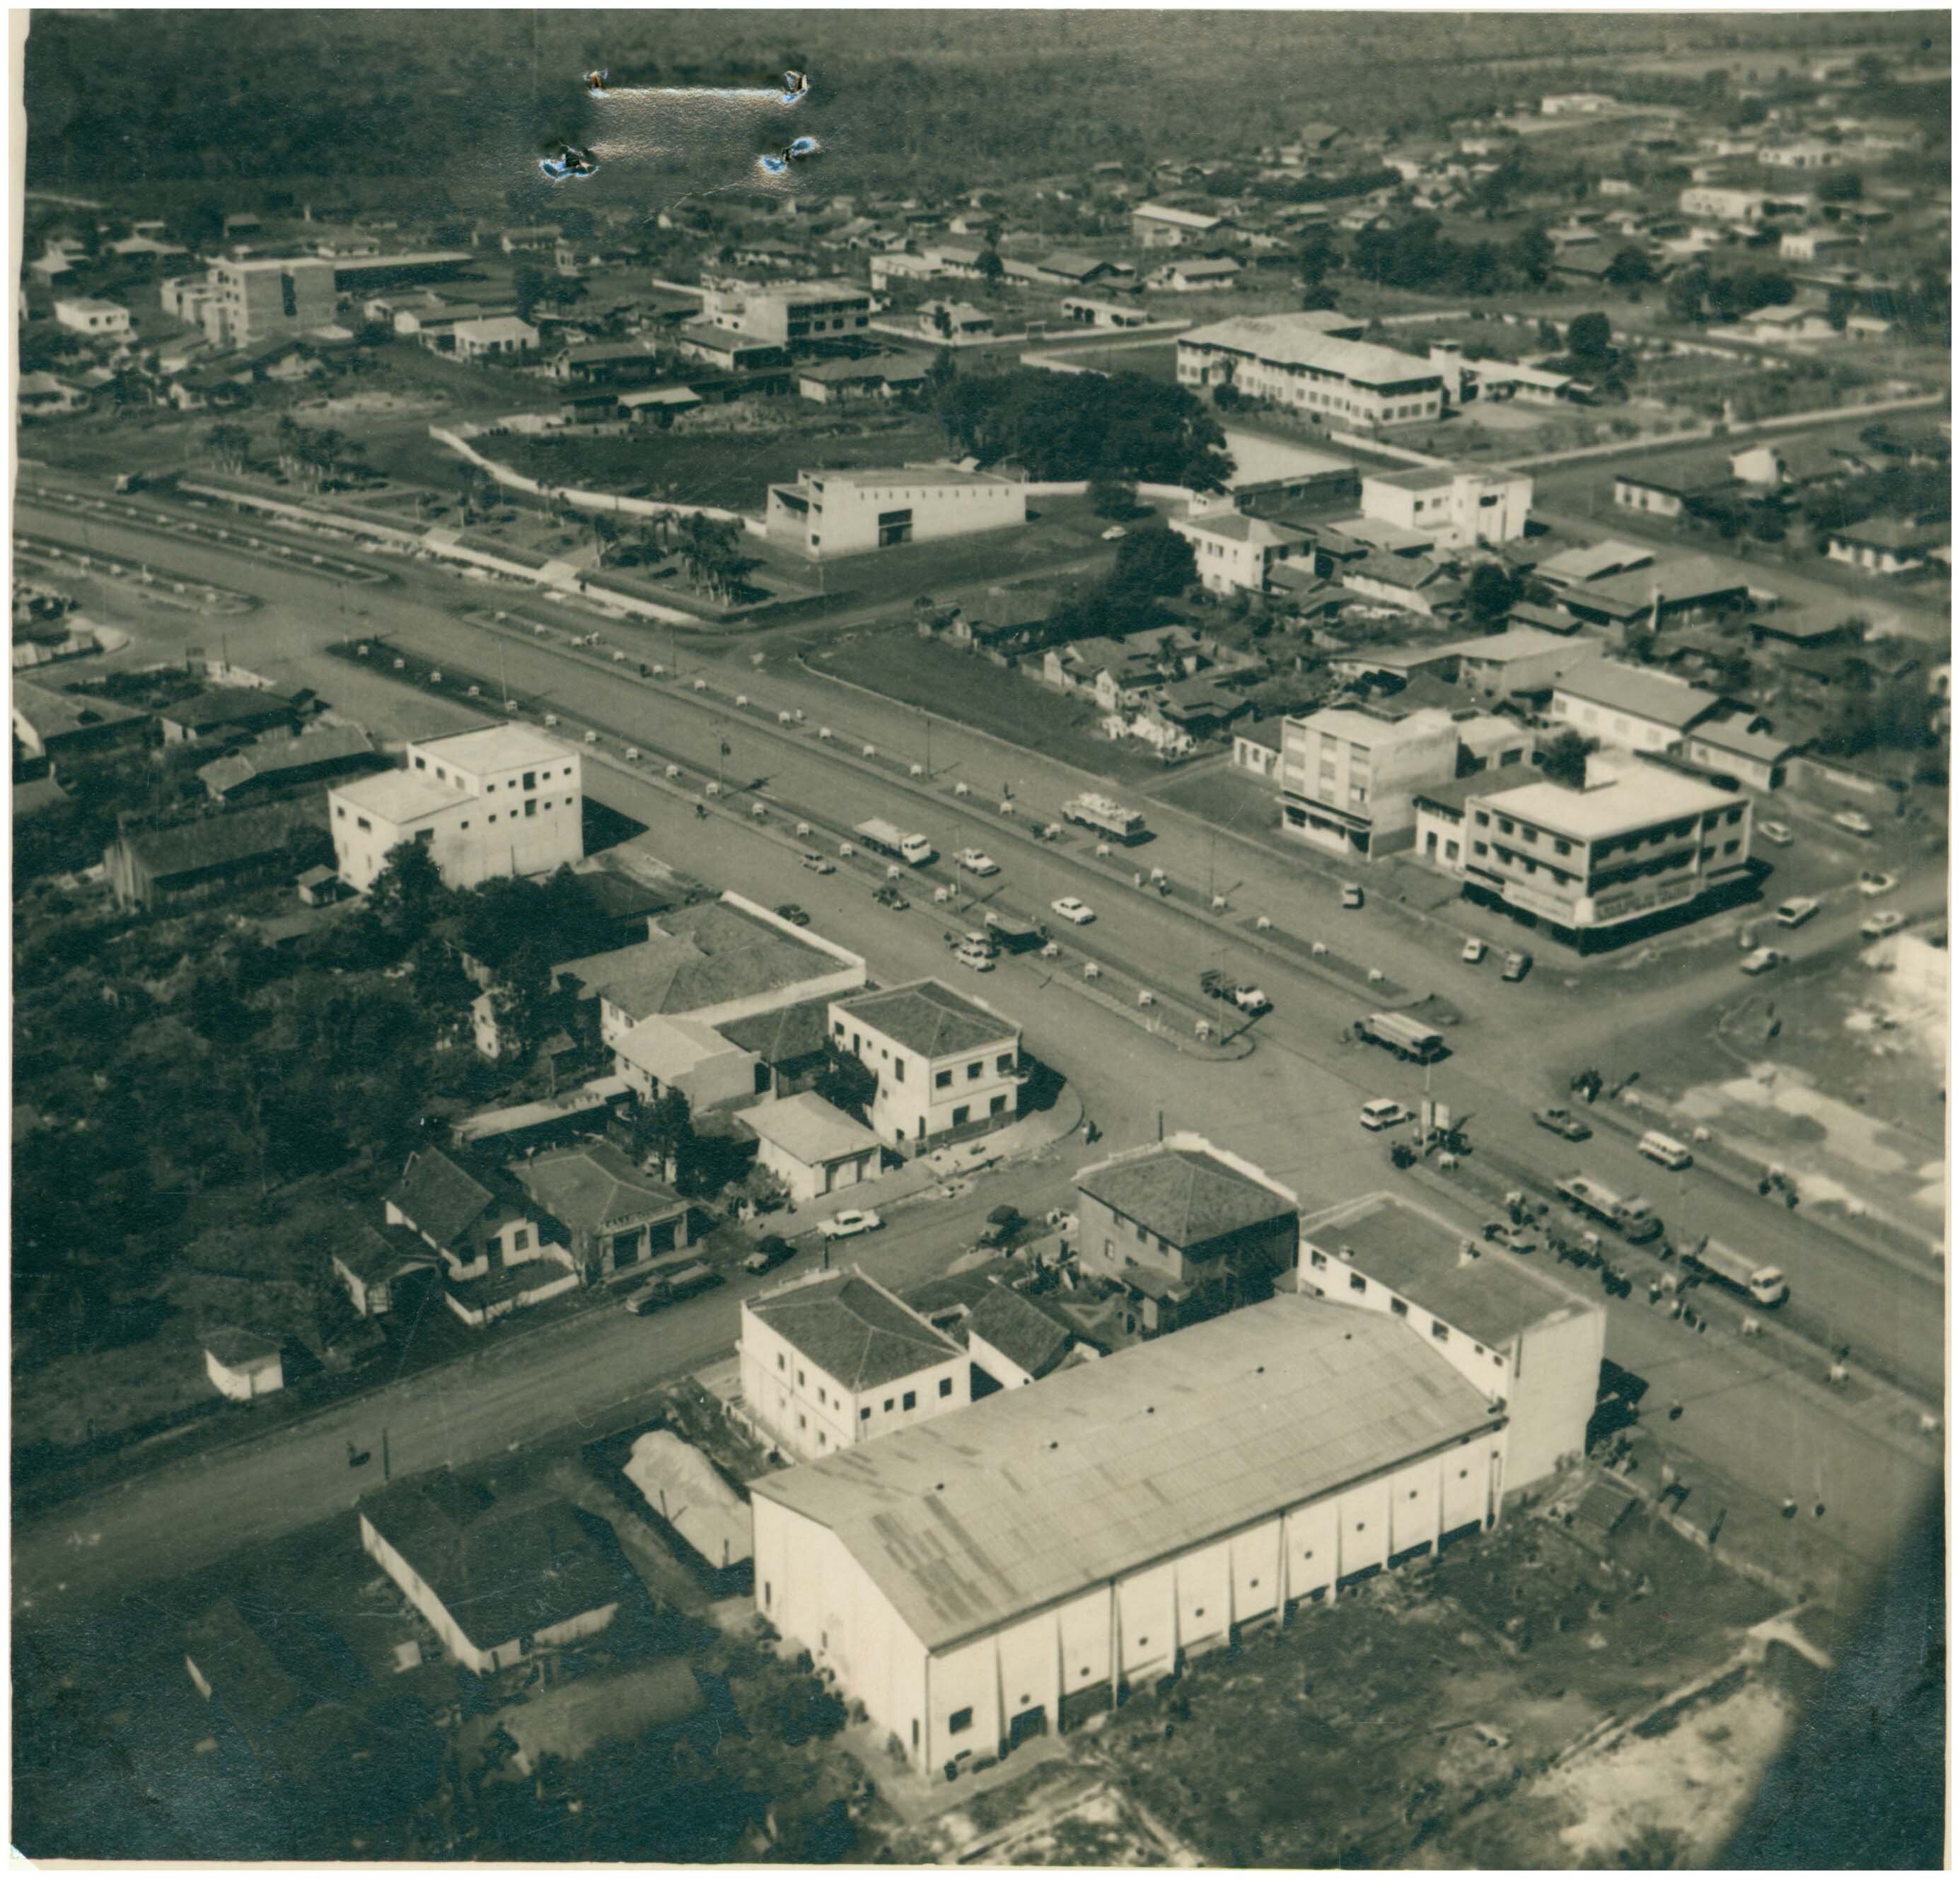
pixel 809 1130
pixel 398 796
pixel 971 1520
pixel 1632 800
pixel 494 747
pixel 1281 339
pixel 924 476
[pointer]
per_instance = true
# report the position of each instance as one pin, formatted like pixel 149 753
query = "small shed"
pixel 243 1364
pixel 813 1148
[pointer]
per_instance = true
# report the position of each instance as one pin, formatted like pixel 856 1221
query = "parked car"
pixel 1003 1223
pixel 890 896
pixel 817 863
pixel 1873 882
pixel 1852 822
pixel 770 1253
pixel 849 1224
pixel 977 861
pixel 1516 965
pixel 1777 833
pixel 795 914
pixel 1561 1120
pixel 1764 959
pixel 1877 926
pixel 1473 950
pixel 1073 910
pixel 1215 984
pixel 1384 1114
pixel 1350 894
pixel 1519 1239
pixel 1115 533
pixel 1794 913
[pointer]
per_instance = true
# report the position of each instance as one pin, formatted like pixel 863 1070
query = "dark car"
pixel 890 896
pixel 770 1253
pixel 795 914
pixel 1561 1121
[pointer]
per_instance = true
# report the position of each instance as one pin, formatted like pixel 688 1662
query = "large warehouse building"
pixel 1011 1568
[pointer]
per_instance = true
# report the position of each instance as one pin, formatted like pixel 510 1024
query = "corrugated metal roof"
pixel 975 1518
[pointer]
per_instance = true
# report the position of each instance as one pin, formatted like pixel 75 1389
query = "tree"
pixel 605 533
pixel 1563 759
pixel 1839 305
pixel 663 1130
pixel 1154 559
pixel 204 227
pixel 1492 593
pixel 993 271
pixel 1319 299
pixel 1630 268
pixel 1317 258
pixel 228 444
pixel 1589 340
pixel 1688 294
pixel 407 894
pixel 527 287
pixel 1532 254
pixel 1113 498
pixel 1841 185
pixel 1225 395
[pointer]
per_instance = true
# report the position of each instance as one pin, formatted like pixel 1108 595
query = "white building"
pixel 1295 361
pixel 826 513
pixel 814 1149
pixel 1159 225
pixel 1010 1570
pixel 504 337
pixel 1459 507
pixel 1512 1332
pixel 1235 551
pixel 945 1065
pixel 833 1359
pixel 1629 708
pixel 506 800
pixel 245 303
pixel 1349 775
pixel 242 1364
pixel 788 312
pixel 100 320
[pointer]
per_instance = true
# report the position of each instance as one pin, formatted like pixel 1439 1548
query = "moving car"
pixel 890 896
pixel 1794 913
pixel 1878 925
pixel 1764 959
pixel 849 1224
pixel 1516 965
pixel 1561 1120
pixel 1350 894
pixel 1852 822
pixel 1776 832
pixel 1873 882
pixel 795 914
pixel 1072 909
pixel 1519 1239
pixel 977 861
pixel 770 1253
pixel 1215 984
pixel 817 863
pixel 1384 1114
pixel 1473 950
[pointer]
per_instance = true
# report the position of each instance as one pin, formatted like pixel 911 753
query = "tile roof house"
pixel 242 1364
pixel 229 711
pixel 500 1581
pixel 500 1251
pixel 1628 708
pixel 1012 1341
pixel 617 1216
pixel 834 1359
pixel 51 724
pixel 814 1149
pixel 256 770
pixel 945 1065
pixel 791 1043
pixel 202 857
pixel 1188 1229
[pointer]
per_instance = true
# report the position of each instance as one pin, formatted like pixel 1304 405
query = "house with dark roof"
pixel 1886 545
pixel 228 714
pixel 374 1264
pixel 500 1580
pixel 617 1217
pixel 834 1359
pixel 500 1251
pixel 1628 707
pixel 790 1044
pixel 1671 485
pixel 1013 1339
pixel 267 1671
pixel 208 855
pixel 57 724
pixel 947 1067
pixel 242 1364
pixel 252 772
pixel 1188 1229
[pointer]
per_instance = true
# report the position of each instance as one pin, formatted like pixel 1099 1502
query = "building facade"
pixel 945 1065
pixel 247 303
pixel 1461 508
pixel 788 312
pixel 827 513
pixel 1293 359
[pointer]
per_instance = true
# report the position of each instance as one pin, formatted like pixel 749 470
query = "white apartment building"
pixel 247 303
pixel 506 800
pixel 1293 359
pixel 100 320
pixel 1010 1571
pixel 826 513
pixel 788 312
pixel 1635 840
pixel 945 1065
pixel 833 1359
pixel 1460 507
pixel 1234 551
pixel 1512 1331
pixel 1349 775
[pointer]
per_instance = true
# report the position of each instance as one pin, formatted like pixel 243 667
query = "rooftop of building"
pixel 889 366
pixel 236 1348
pixel 929 1017
pixel 698 958
pixel 1017 1327
pixel 973 1518
pixel 1634 798
pixel 784 1035
pixel 1521 642
pixel 1297 339
pixel 592 1187
pixel 494 747
pixel 1234 525
pixel 330 743
pixel 853 1329
pixel 1593 561
pixel 809 1129
pixel 910 475
pixel 1655 695
pixel 1742 736
pixel 1419 1256
pixel 682 1486
pixel 1185 1196
pixel 213 841
pixel 226 704
pixel 438 1196
pixel 399 796
pixel 1375 729
pixel 53 714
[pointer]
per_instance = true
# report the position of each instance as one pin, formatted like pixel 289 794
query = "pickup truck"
pixel 1246 997
pixel 683 1282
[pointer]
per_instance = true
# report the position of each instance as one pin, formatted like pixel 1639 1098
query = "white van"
pixel 1664 1148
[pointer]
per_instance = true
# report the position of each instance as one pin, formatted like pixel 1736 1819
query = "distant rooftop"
pixel 1635 798
pixel 853 1329
pixel 930 1018
pixel 1182 1195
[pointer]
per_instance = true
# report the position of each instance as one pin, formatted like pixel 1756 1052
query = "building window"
pixel 422 763
pixel 531 806
pixel 888 1406
pixel 782 1362
pixel 520 1239
pixel 530 779
pixel 362 821
pixel 959 1722
pixel 864 1414
pixel 1317 1259
pixel 1004 1064
pixel 961 1114
pixel 912 1399
pixel 799 1384
pixel 803 1421
pixel 1439 1330
pixel 996 1105
pixel 946 1386
pixel 1356 1283
pixel 973 1070
pixel 899 1070
pixel 942 1079
pixel 1399 1307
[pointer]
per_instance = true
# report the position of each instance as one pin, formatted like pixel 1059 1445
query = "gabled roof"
pixel 234 1347
pixel 809 1130
pixel 593 1188
pixel 438 1197
pixel 930 1018
pixel 1650 694
pixel 55 713
pixel 784 1035
pixel 226 705
pixel 1019 1329
pixel 854 1330
pixel 971 1519
pixel 370 1253
pixel 332 743
pixel 1183 1196
pixel 216 841
pixel 699 958
pixel 1299 339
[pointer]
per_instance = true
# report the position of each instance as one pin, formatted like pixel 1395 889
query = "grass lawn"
pixel 974 690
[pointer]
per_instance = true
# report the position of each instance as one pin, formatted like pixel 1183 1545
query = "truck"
pixel 669 1287
pixel 1764 1284
pixel 1627 1215
pixel 888 838
pixel 1215 984
pixel 1015 934
pixel 1413 1042
pixel 1105 815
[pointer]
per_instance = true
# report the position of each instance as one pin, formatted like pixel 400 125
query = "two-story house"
pixel 500 1251
pixel 617 1217
pixel 945 1065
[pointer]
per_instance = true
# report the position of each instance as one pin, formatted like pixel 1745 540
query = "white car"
pixel 819 864
pixel 1776 832
pixel 1877 926
pixel 1115 533
pixel 1473 950
pixel 1794 913
pixel 1872 883
pixel 977 861
pixel 1078 913
pixel 1382 1114
pixel 1852 822
pixel 849 1224
pixel 1764 959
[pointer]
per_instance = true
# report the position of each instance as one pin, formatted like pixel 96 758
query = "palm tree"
pixel 228 443
pixel 605 533
pixel 288 435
